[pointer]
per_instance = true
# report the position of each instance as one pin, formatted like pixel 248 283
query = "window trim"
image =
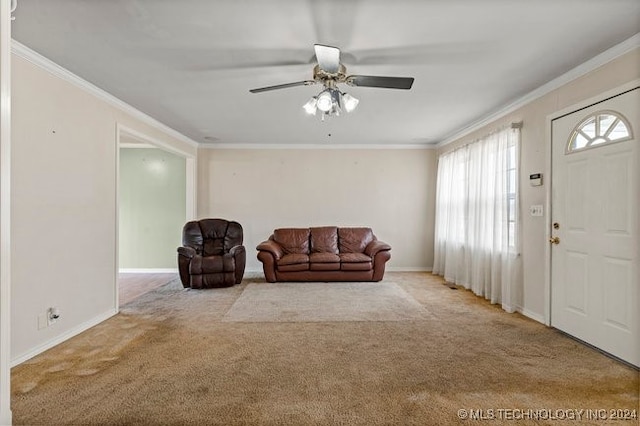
pixel 569 149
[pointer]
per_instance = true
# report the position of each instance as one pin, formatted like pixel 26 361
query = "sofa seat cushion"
pixel 324 266
pixel 324 262
pixel 294 268
pixel 292 240
pixel 324 258
pixel 355 262
pixel 293 259
pixel 213 264
pixel 362 266
pixel 354 258
pixel 293 262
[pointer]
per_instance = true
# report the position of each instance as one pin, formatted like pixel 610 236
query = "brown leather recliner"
pixel 212 254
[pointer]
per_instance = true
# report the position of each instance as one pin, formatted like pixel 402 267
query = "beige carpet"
pixel 171 358
pixel 325 302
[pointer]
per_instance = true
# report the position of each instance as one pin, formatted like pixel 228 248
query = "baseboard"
pixel 527 313
pixel 148 270
pixel 409 268
pixel 63 337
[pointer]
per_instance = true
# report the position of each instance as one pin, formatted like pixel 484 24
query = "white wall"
pixel 534 154
pixel 63 195
pixel 390 190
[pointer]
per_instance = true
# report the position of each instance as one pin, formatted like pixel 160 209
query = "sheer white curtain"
pixel 476 235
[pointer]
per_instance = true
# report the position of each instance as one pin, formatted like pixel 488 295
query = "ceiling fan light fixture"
pixel 325 101
pixel 311 106
pixel 336 95
pixel 330 72
pixel 350 103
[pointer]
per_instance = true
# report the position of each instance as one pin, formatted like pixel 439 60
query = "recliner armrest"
pixel 376 246
pixel 236 250
pixel 187 252
pixel 272 247
pixel 239 253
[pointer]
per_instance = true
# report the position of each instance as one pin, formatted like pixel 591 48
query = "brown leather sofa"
pixel 325 253
pixel 212 254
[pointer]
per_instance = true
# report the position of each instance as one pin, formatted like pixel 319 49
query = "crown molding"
pixel 137 145
pixel 316 146
pixel 37 59
pixel 597 61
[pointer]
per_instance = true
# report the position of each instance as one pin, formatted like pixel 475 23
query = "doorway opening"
pixel 155 197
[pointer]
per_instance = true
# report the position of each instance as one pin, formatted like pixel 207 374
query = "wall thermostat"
pixel 535 179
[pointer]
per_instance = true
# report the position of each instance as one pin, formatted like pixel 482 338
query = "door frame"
pixel 6 9
pixel 549 172
pixel 144 140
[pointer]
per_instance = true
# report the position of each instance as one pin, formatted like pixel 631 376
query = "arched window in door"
pixel 600 128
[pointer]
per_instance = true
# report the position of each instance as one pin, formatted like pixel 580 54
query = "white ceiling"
pixel 190 63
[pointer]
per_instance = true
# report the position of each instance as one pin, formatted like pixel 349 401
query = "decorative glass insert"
pixel 601 128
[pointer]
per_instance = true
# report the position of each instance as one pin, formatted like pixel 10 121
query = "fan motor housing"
pixel 321 75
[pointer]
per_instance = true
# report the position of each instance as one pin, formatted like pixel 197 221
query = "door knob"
pixel 554 240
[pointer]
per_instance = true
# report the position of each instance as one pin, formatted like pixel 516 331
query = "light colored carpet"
pixel 325 302
pixel 170 359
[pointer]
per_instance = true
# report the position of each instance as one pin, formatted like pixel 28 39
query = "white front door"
pixel 594 212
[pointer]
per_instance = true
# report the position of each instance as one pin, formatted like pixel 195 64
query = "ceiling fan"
pixel 330 72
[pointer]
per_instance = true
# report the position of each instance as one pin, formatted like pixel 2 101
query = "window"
pixel 512 192
pixel 601 128
pixel 476 229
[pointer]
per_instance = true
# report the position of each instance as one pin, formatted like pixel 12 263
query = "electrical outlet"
pixel 43 320
pixel 53 314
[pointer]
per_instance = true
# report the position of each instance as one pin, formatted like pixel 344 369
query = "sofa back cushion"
pixel 234 236
pixel 324 239
pixel 192 236
pixel 292 240
pixel 354 240
pixel 212 237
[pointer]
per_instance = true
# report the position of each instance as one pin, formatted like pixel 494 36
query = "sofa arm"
pixel 185 255
pixel 376 246
pixel 188 252
pixel 380 253
pixel 268 265
pixel 272 247
pixel 235 250
pixel 269 252
pixel 240 256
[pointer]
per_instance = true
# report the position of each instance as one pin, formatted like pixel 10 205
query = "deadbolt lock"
pixel 554 240
pixel 556 225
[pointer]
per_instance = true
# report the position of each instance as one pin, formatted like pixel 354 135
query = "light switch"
pixel 536 210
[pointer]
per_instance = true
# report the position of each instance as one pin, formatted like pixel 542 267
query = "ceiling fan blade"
pixel 328 58
pixel 420 54
pixel 283 86
pixel 377 81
